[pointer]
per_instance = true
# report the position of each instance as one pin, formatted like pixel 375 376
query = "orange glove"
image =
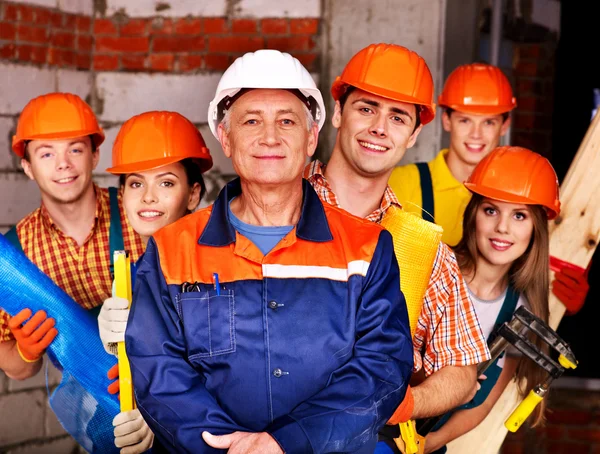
pixel 114 387
pixel 571 287
pixel 34 336
pixel 404 410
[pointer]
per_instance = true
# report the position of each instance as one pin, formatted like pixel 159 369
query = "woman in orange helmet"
pixel 159 157
pixel 504 258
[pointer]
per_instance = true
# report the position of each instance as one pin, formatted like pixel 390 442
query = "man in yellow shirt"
pixel 477 99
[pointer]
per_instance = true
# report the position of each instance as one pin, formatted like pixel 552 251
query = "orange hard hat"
pixel 155 139
pixel 390 71
pixel 478 88
pixel 517 175
pixel 56 116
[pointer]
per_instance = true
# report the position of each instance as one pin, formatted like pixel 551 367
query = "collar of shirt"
pixel 312 226
pixel 440 173
pixel 314 173
pixel 51 226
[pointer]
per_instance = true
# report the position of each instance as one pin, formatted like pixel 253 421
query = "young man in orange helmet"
pixel 72 235
pixel 384 97
pixel 477 100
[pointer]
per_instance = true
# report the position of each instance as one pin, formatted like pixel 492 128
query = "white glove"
pixel 112 322
pixel 132 433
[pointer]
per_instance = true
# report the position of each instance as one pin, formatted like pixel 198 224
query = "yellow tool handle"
pixel 522 412
pixel 122 264
pixel 409 436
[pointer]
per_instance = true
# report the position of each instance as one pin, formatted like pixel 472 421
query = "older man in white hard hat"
pixel 277 322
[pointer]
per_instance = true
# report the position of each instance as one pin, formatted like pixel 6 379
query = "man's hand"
pixel 571 287
pixel 112 321
pixel 132 433
pixel 243 443
pixel 34 337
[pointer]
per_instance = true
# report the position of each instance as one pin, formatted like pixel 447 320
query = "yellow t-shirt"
pixel 450 197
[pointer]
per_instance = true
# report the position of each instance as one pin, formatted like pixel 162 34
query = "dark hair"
pixel 349 91
pixel 28 158
pixel 192 173
pixel 449 111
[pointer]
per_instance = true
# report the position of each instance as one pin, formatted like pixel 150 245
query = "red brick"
pixel 178 44
pixel 106 62
pixel 307 60
pixel 585 434
pixel 216 62
pixel 188 26
pixel 528 104
pixel 530 51
pixel 56 19
pixel 569 417
pixel 70 22
pixel 554 432
pixel 62 39
pixel 7 31
pixel 526 68
pixel 83 61
pixel 304 26
pixel 26 13
pixel 238 44
pixel 512 448
pixel 61 57
pixel 32 34
pixel 161 26
pixel 215 25
pixel 42 16
pixel 274 26
pixel 162 62
pixel 83 24
pixel 243 26
pixel 35 54
pixel 11 12
pixel 524 121
pixel 290 43
pixel 8 51
pixel 84 43
pixel 133 62
pixel 569 448
pixel 190 62
pixel 134 27
pixel 122 44
pixel 104 27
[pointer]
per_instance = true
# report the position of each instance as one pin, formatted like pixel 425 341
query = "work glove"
pixel 571 287
pixel 34 336
pixel 113 374
pixel 132 433
pixel 112 322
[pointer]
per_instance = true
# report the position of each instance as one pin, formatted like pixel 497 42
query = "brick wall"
pixel 572 427
pixel 534 90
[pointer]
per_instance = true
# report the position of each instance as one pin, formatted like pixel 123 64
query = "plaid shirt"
pixel 448 332
pixel 81 271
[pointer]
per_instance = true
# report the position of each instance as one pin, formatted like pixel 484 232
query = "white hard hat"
pixel 270 69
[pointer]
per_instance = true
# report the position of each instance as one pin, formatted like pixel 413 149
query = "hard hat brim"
pixel 503 196
pixel 477 110
pixel 18 144
pixel 204 161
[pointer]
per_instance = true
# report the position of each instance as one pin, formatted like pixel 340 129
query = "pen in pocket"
pixel 217 286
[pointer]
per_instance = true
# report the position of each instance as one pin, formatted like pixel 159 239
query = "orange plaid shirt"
pixel 448 332
pixel 81 271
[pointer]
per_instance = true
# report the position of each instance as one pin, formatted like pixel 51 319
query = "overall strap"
pixel 115 238
pixel 506 312
pixel 12 236
pixel 426 191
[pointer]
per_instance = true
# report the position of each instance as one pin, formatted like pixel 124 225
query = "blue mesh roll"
pixel 81 401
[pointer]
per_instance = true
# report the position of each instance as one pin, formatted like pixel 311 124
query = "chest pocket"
pixel 208 322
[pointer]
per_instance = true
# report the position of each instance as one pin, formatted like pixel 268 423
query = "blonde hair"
pixel 529 275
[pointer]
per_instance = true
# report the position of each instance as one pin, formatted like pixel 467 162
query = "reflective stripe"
pixel 321 272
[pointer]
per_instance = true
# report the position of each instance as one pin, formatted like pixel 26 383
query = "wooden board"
pixel 574 236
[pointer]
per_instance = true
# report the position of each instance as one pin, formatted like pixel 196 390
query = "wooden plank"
pixel 574 236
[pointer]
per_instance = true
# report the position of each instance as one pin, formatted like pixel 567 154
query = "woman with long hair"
pixel 160 158
pixel 504 258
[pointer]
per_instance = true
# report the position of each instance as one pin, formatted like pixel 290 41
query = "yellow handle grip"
pixel 409 436
pixel 122 264
pixel 522 412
